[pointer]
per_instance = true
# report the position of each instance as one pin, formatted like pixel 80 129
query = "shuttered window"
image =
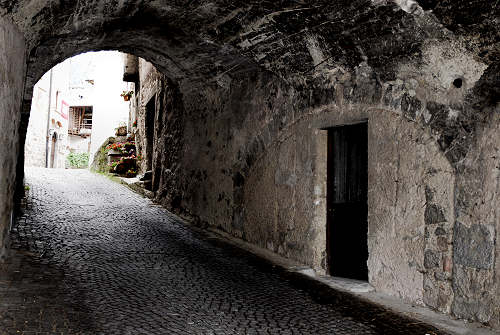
pixel 80 121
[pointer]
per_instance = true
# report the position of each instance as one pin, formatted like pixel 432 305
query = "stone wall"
pixel 149 87
pixel 12 74
pixel 476 247
pixel 250 159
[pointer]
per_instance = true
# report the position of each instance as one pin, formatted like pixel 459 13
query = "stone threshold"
pixel 357 288
pixel 136 185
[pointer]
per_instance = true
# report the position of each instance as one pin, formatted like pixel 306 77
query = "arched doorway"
pixel 53 149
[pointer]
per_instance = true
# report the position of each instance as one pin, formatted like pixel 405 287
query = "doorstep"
pixel 136 185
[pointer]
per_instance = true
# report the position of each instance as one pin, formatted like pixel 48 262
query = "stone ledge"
pixel 136 185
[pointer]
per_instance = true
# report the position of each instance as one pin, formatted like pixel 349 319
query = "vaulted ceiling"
pixel 295 39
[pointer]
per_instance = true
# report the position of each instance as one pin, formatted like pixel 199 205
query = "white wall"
pixel 78 143
pixel 37 129
pixel 109 107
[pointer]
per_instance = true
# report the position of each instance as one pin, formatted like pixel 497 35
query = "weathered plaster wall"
pixel 476 275
pixel 408 174
pixel 12 74
pixel 250 159
pixel 285 196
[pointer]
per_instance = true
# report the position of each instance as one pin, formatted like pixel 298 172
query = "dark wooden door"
pixel 347 194
pixel 53 151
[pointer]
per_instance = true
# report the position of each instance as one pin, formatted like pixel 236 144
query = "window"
pixel 80 121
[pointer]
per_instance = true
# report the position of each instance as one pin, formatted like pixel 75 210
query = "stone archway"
pixel 245 75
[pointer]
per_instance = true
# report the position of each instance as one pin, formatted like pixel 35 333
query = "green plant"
pixel 78 160
pixel 131 173
pixel 112 165
pixel 103 156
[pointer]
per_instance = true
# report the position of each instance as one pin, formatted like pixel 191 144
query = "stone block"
pixel 463 308
pixel 439 231
pixel 442 243
pixel 447 264
pixel 433 214
pixel 410 106
pixel 441 276
pixel 473 247
pixel 431 259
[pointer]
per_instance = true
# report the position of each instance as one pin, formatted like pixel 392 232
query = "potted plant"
pixel 127 95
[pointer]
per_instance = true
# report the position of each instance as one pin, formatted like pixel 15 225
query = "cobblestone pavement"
pixel 92 257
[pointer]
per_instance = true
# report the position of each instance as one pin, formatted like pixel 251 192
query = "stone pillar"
pixel 23 129
pixel 12 79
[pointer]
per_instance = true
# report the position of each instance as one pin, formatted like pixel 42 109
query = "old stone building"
pixel 47 96
pixel 302 126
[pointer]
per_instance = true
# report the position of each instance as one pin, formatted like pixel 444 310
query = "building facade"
pixel 47 137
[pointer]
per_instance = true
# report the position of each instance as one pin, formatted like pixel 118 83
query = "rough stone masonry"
pixel 245 92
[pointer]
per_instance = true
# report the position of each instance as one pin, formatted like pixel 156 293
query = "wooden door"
pixel 347 195
pixel 53 151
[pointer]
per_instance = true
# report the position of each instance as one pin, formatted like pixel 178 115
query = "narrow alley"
pixel 95 258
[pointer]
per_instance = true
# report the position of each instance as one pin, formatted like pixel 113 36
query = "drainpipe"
pixel 48 123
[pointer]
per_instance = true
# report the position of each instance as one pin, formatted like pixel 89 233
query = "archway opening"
pixel 76 107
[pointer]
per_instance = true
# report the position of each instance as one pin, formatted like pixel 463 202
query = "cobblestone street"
pixel 92 257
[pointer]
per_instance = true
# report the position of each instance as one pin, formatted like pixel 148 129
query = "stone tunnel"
pixel 249 94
